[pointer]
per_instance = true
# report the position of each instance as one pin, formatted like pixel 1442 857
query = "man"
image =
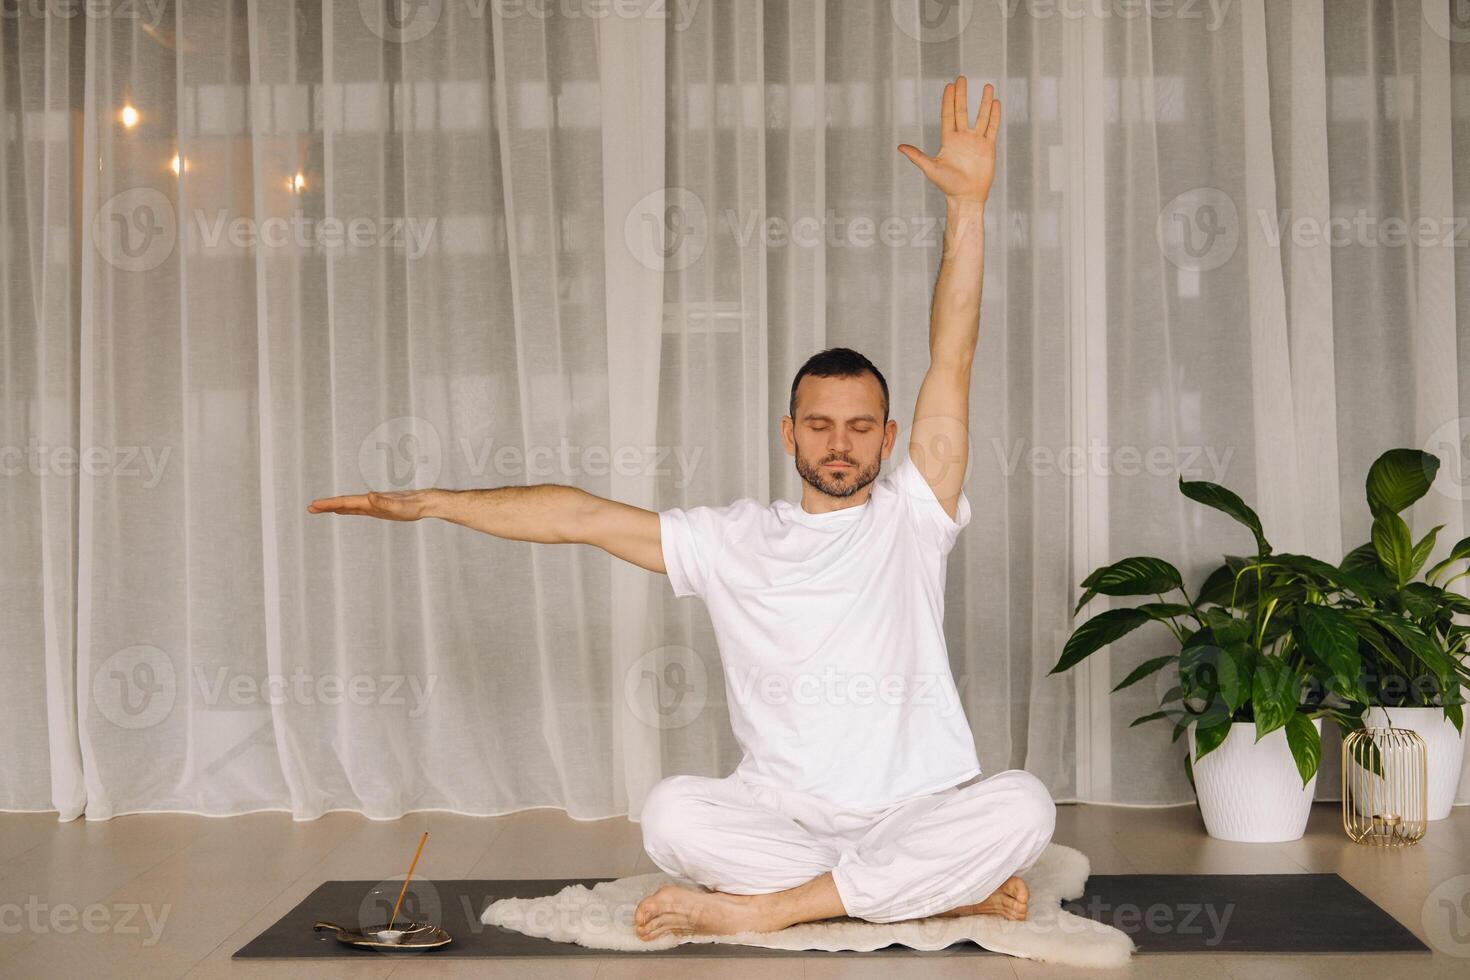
pixel 859 791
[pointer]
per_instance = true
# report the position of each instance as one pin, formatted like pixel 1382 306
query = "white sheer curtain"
pixel 252 253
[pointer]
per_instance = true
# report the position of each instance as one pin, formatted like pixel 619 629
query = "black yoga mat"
pixel 1256 913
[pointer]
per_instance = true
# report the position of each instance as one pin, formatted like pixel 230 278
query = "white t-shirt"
pixel 831 634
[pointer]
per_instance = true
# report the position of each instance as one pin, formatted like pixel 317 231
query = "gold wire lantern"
pixel 1385 786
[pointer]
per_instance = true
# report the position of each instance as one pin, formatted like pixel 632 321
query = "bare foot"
pixel 681 912
pixel 1007 901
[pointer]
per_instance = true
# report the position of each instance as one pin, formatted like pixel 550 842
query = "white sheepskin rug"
pixel 601 917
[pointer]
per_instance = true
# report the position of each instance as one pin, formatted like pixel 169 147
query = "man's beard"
pixel 837 483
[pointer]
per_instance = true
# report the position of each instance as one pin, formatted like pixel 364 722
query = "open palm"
pixel 965 164
pixel 388 505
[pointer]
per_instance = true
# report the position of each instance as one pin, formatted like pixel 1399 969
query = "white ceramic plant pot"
pixel 1251 791
pixel 1444 747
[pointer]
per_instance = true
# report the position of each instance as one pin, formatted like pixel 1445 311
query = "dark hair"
pixel 838 362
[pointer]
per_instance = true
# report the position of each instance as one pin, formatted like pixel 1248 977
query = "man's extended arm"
pixel 547 513
pixel 963 169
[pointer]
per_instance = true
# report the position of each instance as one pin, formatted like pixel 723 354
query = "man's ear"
pixel 788 435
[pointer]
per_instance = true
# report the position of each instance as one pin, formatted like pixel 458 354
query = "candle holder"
pixel 1385 786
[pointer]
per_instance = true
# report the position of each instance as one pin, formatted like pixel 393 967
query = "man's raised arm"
pixel 547 513
pixel 963 169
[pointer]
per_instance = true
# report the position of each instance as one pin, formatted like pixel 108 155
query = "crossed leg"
pixel 953 853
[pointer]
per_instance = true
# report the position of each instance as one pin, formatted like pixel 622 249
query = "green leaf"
pixel 1097 633
pixel 1234 684
pixel 1164 611
pixel 1398 478
pixel 1332 641
pixel 1419 643
pixel 1228 629
pixel 1140 575
pixel 1143 670
pixel 1423 549
pixel 1459 552
pixel 1216 496
pixel 1305 743
pixel 1394 546
pixel 1155 716
pixel 1275 691
pixel 1218 586
pixel 1363 556
pixel 1208 738
pixel 1369 633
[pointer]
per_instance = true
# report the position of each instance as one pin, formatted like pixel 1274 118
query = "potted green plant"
pixel 1412 650
pixel 1263 656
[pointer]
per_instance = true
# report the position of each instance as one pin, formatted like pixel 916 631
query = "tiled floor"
pixel 88 899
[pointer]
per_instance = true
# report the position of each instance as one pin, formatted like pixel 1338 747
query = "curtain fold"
pixel 254 252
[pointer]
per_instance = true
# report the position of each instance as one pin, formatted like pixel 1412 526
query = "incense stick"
pixel 394 917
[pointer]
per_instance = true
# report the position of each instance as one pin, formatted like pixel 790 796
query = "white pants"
pixel 904 861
